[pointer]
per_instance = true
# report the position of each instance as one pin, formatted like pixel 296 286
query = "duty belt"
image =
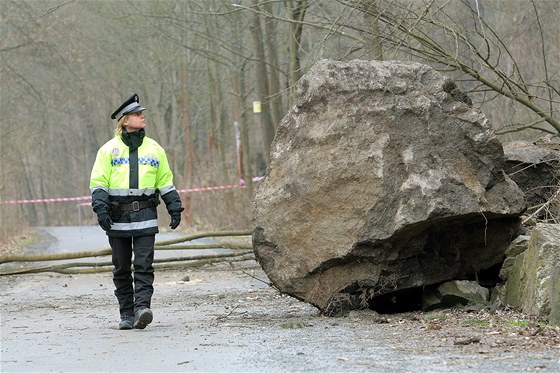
pixel 136 205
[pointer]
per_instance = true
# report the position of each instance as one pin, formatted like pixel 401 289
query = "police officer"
pixel 130 173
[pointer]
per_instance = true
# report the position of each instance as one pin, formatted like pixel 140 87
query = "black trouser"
pixel 133 298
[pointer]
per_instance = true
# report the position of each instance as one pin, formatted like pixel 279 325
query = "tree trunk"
pixel 296 10
pixel 273 62
pixel 189 155
pixel 265 117
pixel 373 44
pixel 213 122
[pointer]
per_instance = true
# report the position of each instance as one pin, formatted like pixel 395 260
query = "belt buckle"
pixel 135 206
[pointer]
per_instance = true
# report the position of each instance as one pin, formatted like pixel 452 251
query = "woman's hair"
pixel 120 125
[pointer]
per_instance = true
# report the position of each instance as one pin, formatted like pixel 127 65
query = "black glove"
pixel 104 220
pixel 175 221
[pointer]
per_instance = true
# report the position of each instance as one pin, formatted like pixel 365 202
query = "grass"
pixel 27 240
pixel 295 324
pixel 521 323
pixel 476 322
pixel 17 241
pixel 483 320
pixel 437 315
pixel 508 323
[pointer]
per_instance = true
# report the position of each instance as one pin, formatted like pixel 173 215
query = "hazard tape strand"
pixel 87 198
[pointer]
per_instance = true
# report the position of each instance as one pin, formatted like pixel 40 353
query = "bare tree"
pixel 372 32
pixel 273 63
pixel 261 80
pixel 296 12
pixel 433 31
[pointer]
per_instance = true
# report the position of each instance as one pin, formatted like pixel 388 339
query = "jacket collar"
pixel 133 139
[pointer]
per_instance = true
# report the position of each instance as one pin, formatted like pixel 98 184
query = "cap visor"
pixel 136 110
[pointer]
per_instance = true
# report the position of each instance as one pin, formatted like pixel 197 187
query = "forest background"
pixel 200 65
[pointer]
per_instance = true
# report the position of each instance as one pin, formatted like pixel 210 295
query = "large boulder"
pixel 533 281
pixel 382 178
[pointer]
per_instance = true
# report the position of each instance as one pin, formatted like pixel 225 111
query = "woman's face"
pixel 135 122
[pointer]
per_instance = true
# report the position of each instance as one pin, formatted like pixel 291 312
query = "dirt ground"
pixel 224 318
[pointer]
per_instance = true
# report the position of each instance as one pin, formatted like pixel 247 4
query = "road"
pixel 224 318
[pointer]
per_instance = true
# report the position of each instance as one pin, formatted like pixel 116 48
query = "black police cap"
pixel 131 105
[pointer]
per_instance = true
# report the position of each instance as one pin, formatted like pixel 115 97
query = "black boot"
pixel 127 322
pixel 142 318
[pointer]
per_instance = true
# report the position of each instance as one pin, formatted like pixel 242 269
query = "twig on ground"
pixel 222 317
pixel 263 281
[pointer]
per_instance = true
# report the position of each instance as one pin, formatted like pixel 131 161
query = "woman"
pixel 130 173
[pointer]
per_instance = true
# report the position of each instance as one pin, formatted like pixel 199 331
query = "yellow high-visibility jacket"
pixel 126 183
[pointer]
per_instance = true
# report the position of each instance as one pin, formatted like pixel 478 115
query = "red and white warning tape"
pixel 202 189
pixel 87 198
pixel 45 200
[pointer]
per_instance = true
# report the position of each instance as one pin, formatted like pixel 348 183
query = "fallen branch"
pixel 534 215
pixel 56 256
pixel 200 263
pixel 203 235
pixel 202 257
pixel 208 246
pixel 98 267
pixel 162 245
